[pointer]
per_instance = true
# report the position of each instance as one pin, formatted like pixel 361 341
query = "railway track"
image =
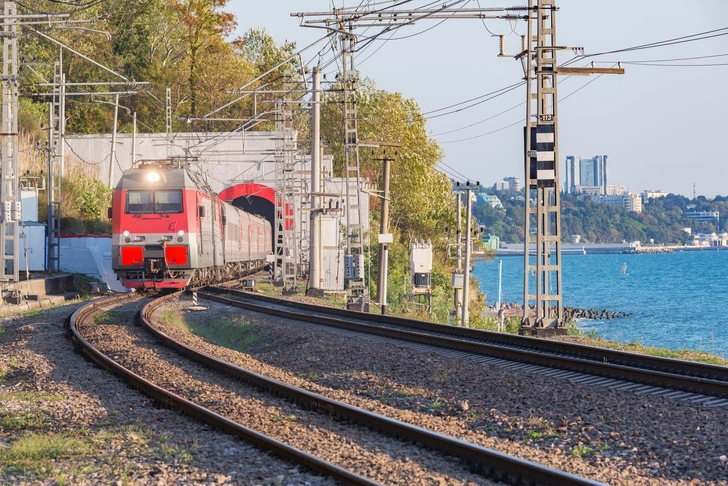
pixel 681 380
pixel 492 464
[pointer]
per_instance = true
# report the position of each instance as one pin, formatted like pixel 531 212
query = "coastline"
pixel 516 249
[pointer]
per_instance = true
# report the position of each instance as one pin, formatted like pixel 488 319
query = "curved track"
pixel 493 464
pixel 693 381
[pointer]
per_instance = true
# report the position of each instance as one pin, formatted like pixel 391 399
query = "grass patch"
pixel 592 339
pixel 310 376
pixel 290 418
pixel 114 316
pixel 231 332
pixel 7 368
pixel 176 452
pixel 536 435
pixel 581 450
pixel 436 404
pixel 34 312
pixel 22 420
pixel 30 397
pixel 36 457
pixel 34 454
pixel 174 318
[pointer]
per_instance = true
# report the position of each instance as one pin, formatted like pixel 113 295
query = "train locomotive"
pixel 171 231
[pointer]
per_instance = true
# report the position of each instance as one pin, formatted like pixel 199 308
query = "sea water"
pixel 674 300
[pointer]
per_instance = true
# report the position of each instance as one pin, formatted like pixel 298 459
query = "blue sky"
pixel 663 127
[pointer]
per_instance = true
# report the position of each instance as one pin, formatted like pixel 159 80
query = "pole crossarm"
pixel 586 71
pixel 389 18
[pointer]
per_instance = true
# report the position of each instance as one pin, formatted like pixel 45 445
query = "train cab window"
pixel 139 202
pixel 147 202
pixel 167 201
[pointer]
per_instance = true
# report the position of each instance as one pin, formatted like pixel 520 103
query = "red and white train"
pixel 170 231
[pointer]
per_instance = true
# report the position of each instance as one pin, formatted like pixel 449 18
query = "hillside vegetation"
pixel 662 220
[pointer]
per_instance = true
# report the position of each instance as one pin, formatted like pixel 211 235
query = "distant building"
pixel 589 190
pixel 491 242
pixel 508 184
pixel 710 239
pixel 704 216
pixel 501 186
pixel 586 173
pixel 650 194
pixel 514 183
pixel 630 202
pixel 615 190
pixel 494 201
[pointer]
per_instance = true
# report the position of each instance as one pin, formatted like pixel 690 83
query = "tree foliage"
pixel 183 46
pixel 421 202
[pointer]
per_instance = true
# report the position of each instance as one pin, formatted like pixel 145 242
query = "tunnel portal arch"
pixel 256 199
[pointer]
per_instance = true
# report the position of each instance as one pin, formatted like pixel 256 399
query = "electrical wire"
pixel 492 96
pixel 652 45
pixel 453 171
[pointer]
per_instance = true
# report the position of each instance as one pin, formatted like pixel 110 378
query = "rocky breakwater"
pixel 570 314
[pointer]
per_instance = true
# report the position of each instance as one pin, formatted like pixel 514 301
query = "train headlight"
pixel 180 235
pixel 153 177
pixel 181 232
pixel 126 234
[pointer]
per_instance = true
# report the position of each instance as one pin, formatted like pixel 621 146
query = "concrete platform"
pixel 37 293
pixel 41 303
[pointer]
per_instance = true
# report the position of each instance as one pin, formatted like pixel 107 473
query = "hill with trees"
pixel 662 220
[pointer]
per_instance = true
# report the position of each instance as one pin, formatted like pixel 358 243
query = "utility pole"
pixel 384 236
pixel 285 235
pixel 542 267
pixel 315 276
pixel 468 251
pixel 10 212
pixel 113 142
pixel 458 278
pixel 354 219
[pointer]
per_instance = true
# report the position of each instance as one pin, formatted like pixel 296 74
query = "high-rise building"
pixel 514 183
pixel 586 173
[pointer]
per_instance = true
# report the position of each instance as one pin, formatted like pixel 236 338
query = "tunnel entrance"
pixel 255 199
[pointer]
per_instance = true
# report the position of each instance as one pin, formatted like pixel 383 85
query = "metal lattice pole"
pixel 285 238
pixel 354 240
pixel 10 212
pixel 542 266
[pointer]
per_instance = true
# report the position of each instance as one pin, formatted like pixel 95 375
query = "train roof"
pixel 169 178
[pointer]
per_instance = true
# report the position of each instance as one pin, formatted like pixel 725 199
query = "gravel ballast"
pixel 607 435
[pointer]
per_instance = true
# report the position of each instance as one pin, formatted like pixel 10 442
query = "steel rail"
pixel 171 399
pixel 670 373
pixel 492 463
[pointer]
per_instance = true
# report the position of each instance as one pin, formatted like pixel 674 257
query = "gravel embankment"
pixel 607 435
pixel 120 436
pixel 358 449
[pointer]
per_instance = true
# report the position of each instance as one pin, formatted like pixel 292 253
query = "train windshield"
pixel 148 202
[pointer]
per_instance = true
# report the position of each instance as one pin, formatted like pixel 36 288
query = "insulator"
pixel 502 45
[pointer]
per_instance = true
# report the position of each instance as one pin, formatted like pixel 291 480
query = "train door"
pixel 206 240
pixel 218 239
